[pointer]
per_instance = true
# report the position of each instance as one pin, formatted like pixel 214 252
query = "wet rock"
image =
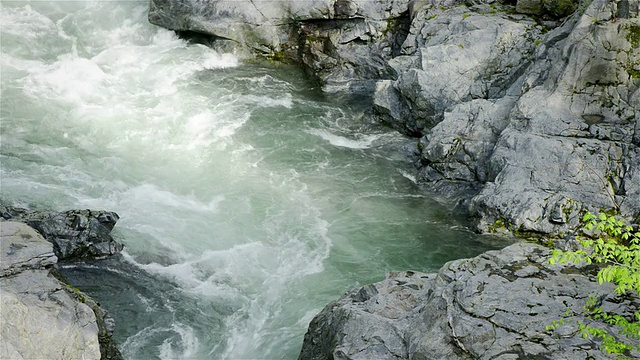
pixel 496 305
pixel 74 233
pixel 43 317
pixel 343 43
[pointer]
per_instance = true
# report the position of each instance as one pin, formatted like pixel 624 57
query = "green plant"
pixel 79 295
pixel 614 245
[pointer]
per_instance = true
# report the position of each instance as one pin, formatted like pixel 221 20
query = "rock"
pixel 43 317
pixel 345 43
pixel 580 145
pixel 531 7
pixel 496 305
pixel 547 124
pixel 23 248
pixel 74 233
pixel 533 102
pixel 461 55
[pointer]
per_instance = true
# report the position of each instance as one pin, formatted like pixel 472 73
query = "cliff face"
pixel 533 104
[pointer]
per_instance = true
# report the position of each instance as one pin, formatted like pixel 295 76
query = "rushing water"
pixel 248 199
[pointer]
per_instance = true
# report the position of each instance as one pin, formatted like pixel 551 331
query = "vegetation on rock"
pixel 615 246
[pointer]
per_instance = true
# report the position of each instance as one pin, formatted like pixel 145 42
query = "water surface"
pixel 248 199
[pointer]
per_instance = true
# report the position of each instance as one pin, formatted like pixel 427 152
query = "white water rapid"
pixel 248 200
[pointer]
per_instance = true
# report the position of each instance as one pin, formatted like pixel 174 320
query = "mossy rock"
pixel 560 8
pixel 633 34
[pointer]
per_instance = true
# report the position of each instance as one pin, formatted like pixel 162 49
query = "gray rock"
pixel 23 248
pixel 74 233
pixel 41 320
pixel 345 43
pixel 43 317
pixel 494 306
pixel 462 55
pixel 548 123
pixel 579 145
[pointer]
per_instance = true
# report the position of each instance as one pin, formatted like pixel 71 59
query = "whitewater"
pixel 248 199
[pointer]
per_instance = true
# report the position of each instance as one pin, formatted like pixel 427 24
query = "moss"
pixel 279 56
pixel 498 226
pixel 79 295
pixel 634 73
pixel 537 42
pixel 466 15
pixel 633 34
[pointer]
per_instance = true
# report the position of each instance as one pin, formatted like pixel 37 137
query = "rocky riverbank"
pixel 43 316
pixel 494 306
pixel 528 109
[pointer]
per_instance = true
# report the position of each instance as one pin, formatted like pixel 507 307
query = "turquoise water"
pixel 248 198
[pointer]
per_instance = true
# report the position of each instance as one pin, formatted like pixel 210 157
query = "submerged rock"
pixel 42 316
pixel 74 233
pixel 494 306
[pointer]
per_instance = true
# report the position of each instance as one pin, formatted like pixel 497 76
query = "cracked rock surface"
pixel 74 234
pixel 494 306
pixel 43 317
pixel 544 118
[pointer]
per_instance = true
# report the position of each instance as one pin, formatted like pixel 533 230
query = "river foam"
pixel 247 201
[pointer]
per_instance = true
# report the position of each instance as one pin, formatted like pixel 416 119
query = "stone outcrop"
pixel 42 316
pixel 74 234
pixel 345 43
pixel 545 120
pixel 494 306
pixel 534 104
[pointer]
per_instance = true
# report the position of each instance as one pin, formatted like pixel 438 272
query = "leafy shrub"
pixel 616 247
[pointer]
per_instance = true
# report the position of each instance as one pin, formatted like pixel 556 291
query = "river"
pixel 248 198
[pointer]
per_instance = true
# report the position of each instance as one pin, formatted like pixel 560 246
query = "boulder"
pixel 571 138
pixel 74 233
pixel 494 306
pixel 43 317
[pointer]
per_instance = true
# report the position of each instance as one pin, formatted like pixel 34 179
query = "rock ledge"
pixel 494 306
